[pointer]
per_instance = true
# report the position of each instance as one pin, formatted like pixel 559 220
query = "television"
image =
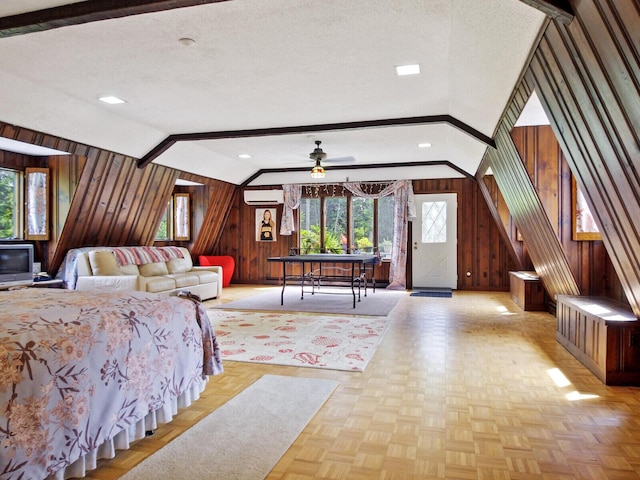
pixel 16 264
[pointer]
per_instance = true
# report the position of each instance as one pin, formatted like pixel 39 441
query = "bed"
pixel 83 374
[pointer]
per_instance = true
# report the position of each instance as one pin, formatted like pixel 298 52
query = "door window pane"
pixel 434 222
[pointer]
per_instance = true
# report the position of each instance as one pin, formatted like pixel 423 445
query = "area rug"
pixel 433 292
pixel 245 437
pixel 331 300
pixel 332 342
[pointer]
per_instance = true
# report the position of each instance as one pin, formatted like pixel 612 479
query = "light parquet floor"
pixel 460 388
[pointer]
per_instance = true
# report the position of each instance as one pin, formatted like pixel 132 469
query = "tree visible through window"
pixel 165 229
pixel 371 224
pixel 10 211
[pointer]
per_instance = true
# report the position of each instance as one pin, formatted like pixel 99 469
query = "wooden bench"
pixel 603 335
pixel 527 291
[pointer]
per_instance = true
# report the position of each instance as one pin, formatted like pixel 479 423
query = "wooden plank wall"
pixel 210 206
pixel 587 75
pixel 528 212
pixel 112 201
pixel 508 229
pixel 481 250
pixel 547 166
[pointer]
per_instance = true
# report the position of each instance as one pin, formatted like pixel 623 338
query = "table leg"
pixel 284 282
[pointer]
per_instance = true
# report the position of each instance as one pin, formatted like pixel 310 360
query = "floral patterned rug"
pixel 331 342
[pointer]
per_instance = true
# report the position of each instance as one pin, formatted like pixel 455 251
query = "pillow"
pixel 153 269
pixel 103 263
pixel 180 265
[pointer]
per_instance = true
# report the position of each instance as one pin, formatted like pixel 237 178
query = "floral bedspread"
pixel 76 368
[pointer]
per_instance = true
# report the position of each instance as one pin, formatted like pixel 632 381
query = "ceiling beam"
pixel 85 12
pixel 434 163
pixel 267 132
pixel 559 10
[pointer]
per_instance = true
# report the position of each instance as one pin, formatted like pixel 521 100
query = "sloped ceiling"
pixel 268 78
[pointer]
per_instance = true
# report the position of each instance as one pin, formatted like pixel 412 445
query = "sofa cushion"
pixel 180 265
pixel 103 263
pixel 158 284
pixel 153 269
pixel 206 276
pixel 184 279
pixel 130 269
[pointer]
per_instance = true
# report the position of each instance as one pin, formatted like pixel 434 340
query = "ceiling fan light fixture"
pixel 317 171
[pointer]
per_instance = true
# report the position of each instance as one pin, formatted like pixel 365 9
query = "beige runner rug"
pixel 244 438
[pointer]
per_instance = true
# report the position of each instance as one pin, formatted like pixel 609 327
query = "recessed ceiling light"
pixel 402 70
pixel 244 155
pixel 424 145
pixel 111 100
pixel 187 41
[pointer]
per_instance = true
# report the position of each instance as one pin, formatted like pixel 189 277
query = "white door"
pixel 434 241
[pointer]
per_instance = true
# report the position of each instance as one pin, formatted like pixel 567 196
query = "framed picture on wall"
pixel 584 225
pixel 265 224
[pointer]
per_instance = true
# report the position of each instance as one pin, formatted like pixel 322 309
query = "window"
pixel 336 224
pixel 10 204
pixel 362 222
pixel 345 223
pixel 386 212
pixel 434 222
pixel 165 229
pixel 310 225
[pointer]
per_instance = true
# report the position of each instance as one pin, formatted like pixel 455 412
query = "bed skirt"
pixel 123 440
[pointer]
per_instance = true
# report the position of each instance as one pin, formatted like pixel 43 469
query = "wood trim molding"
pixel 364 167
pixel 85 12
pixel 265 132
pixel 558 10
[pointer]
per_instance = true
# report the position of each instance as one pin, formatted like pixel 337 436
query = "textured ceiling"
pixel 282 63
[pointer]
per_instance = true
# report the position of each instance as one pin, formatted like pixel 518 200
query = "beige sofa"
pixel 99 269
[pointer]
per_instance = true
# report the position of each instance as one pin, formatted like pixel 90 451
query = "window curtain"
pixel 404 210
pixel 292 196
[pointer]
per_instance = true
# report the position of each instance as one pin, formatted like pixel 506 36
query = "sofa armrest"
pixel 110 283
pixel 216 269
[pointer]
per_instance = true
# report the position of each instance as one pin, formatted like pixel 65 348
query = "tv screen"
pixel 16 264
pixel 14 261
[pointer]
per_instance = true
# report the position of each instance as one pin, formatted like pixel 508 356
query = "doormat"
pixel 432 292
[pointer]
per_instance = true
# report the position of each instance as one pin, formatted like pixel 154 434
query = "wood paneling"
pixel 481 250
pixel 587 76
pixel 210 205
pixel 112 201
pixel 546 164
pixel 528 212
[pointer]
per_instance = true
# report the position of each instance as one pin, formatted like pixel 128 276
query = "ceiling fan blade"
pixel 340 160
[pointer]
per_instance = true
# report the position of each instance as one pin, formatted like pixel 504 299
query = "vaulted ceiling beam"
pixel 267 132
pixel 559 10
pixel 85 12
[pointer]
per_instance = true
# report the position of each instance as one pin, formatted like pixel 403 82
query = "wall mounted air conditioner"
pixel 263 197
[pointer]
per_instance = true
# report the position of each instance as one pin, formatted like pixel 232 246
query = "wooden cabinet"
pixel 527 291
pixel 603 335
